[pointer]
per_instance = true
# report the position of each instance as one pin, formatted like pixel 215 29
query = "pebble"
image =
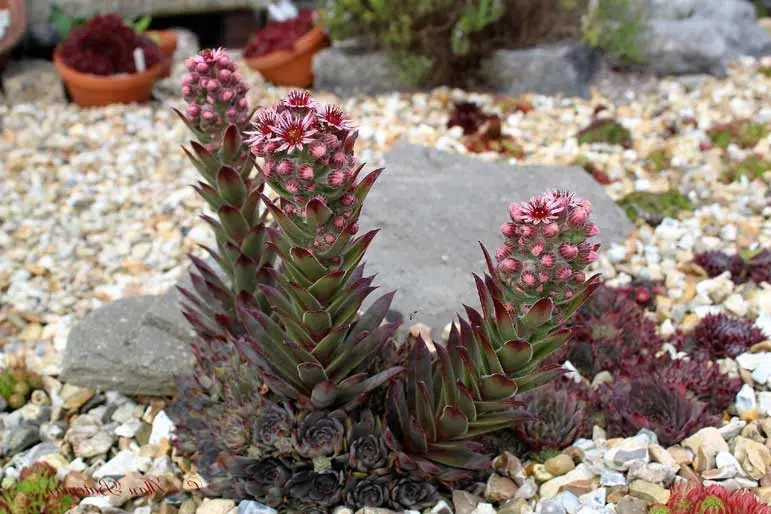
pixel 648 492
pixel 216 506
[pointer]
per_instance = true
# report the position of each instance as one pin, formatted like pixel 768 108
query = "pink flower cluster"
pixel 307 149
pixel 546 249
pixel 215 93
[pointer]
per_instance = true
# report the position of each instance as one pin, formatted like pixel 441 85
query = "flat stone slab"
pixel 133 345
pixel 434 206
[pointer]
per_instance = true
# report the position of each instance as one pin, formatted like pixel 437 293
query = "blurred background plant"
pixel 442 41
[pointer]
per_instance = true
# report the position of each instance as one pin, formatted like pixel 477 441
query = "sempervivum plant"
pixel 646 402
pixel 279 35
pixel 561 414
pixel 695 498
pixel 469 388
pixel 105 46
pixel 720 336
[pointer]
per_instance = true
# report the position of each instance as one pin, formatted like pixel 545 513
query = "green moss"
pixel 742 133
pixel 618 27
pixel 765 71
pixel 36 490
pixel 16 384
pixel 659 159
pixel 752 167
pixel 545 454
pixel 606 131
pixel 654 207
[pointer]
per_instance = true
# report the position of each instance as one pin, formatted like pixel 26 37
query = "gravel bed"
pixel 95 205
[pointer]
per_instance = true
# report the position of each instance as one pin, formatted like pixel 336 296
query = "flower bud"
pixel 339 222
pixel 589 257
pixel 579 276
pixel 285 167
pixel 202 67
pixel 317 149
pixel 577 217
pixel 335 178
pixel 550 230
pixel 547 260
pixel 347 200
pixel 511 265
pixel 502 253
pixel 338 159
pixel 509 229
pixel 292 186
pixel 591 230
pixel 537 248
pixel 528 279
pixel 515 212
pixel 568 251
pixel 226 95
pixel 306 172
pixel 543 277
pixel 564 272
pixel 193 111
pixel 224 76
pixel 526 230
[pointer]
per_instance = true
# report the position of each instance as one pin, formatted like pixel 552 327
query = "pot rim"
pixel 101 81
pixel 301 45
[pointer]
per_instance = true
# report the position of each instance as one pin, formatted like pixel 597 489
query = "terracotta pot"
pixel 15 32
pixel 89 90
pixel 167 41
pixel 291 67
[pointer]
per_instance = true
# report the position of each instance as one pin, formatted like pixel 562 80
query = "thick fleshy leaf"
pixel 466 402
pixel 417 438
pixel 231 143
pixel 253 245
pixel 497 386
pixel 245 274
pixel 279 386
pixel 363 188
pixel 535 380
pixel 505 321
pixel 458 457
pixel 549 344
pixel 329 345
pixel 492 364
pixel 361 352
pixel 453 423
pixel 317 213
pixel 423 411
pixel 307 263
pixel 211 162
pixel 448 378
pixel 352 257
pixel 539 314
pixel 209 194
pixel 219 231
pixel 372 318
pixel 234 224
pixel 318 323
pixel 311 373
pixel 290 228
pixel 514 355
pixel 366 386
pixel 324 394
pixel 231 186
pixel 250 208
pixel 484 298
pixel 323 288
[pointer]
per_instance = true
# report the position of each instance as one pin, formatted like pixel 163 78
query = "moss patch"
pixel 752 167
pixel 654 207
pixel 742 133
pixel 659 160
pixel 606 131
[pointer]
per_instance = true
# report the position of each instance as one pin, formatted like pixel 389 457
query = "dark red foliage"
pixel 611 333
pixel 720 336
pixel 646 402
pixel 562 411
pixel 756 269
pixel 279 35
pixel 643 292
pixel 702 380
pixel 468 116
pixel 105 46
pixel 716 262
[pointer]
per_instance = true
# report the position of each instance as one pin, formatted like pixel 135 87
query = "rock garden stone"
pixel 348 73
pixel 560 69
pixel 433 208
pixel 134 345
pixel 691 37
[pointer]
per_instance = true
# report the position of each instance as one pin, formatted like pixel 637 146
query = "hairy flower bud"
pixel 511 265
pixel 568 251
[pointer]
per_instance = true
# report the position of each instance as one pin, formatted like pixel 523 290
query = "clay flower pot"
pixel 15 31
pixel 167 41
pixel 89 90
pixel 291 67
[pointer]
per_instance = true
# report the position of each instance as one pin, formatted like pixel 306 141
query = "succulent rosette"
pixel 316 489
pixel 369 492
pixel 410 494
pixel 321 434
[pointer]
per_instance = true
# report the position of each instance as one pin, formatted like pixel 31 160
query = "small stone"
pixel 681 455
pixel 464 502
pixel 440 508
pixel 568 500
pixel 99 444
pixel 631 505
pixel 124 462
pixel 338 510
pixel 162 429
pixel 482 508
pixel 648 492
pixel 527 490
pixel 541 474
pixel 598 433
pixel 128 429
pixel 733 428
pixel 187 507
pixel 764 493
pixel 764 403
pixel 689 474
pixel 653 472
pixel 660 455
pixel 74 397
pixel 726 460
pixel 215 506
pixel 552 507
pixel 578 487
pixel 20 439
pixel 745 401
pixel 705 444
pixel 500 488
pixel 620 458
pixel 575 453
pixel 595 498
pixel 753 456
pixel 559 465
pixel 581 474
pixel 612 478
pixel 509 466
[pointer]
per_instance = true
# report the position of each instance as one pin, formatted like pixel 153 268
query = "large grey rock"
pixel 434 206
pixel 133 345
pixel 348 73
pixel 564 68
pixel 703 36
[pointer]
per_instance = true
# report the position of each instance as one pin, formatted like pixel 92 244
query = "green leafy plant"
pixel 654 207
pixel 442 41
pixel 605 130
pixel 619 27
pixel 300 400
pixel 16 385
pixel 742 133
pixel 659 159
pixel 752 167
pixel 63 23
pixel 37 491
